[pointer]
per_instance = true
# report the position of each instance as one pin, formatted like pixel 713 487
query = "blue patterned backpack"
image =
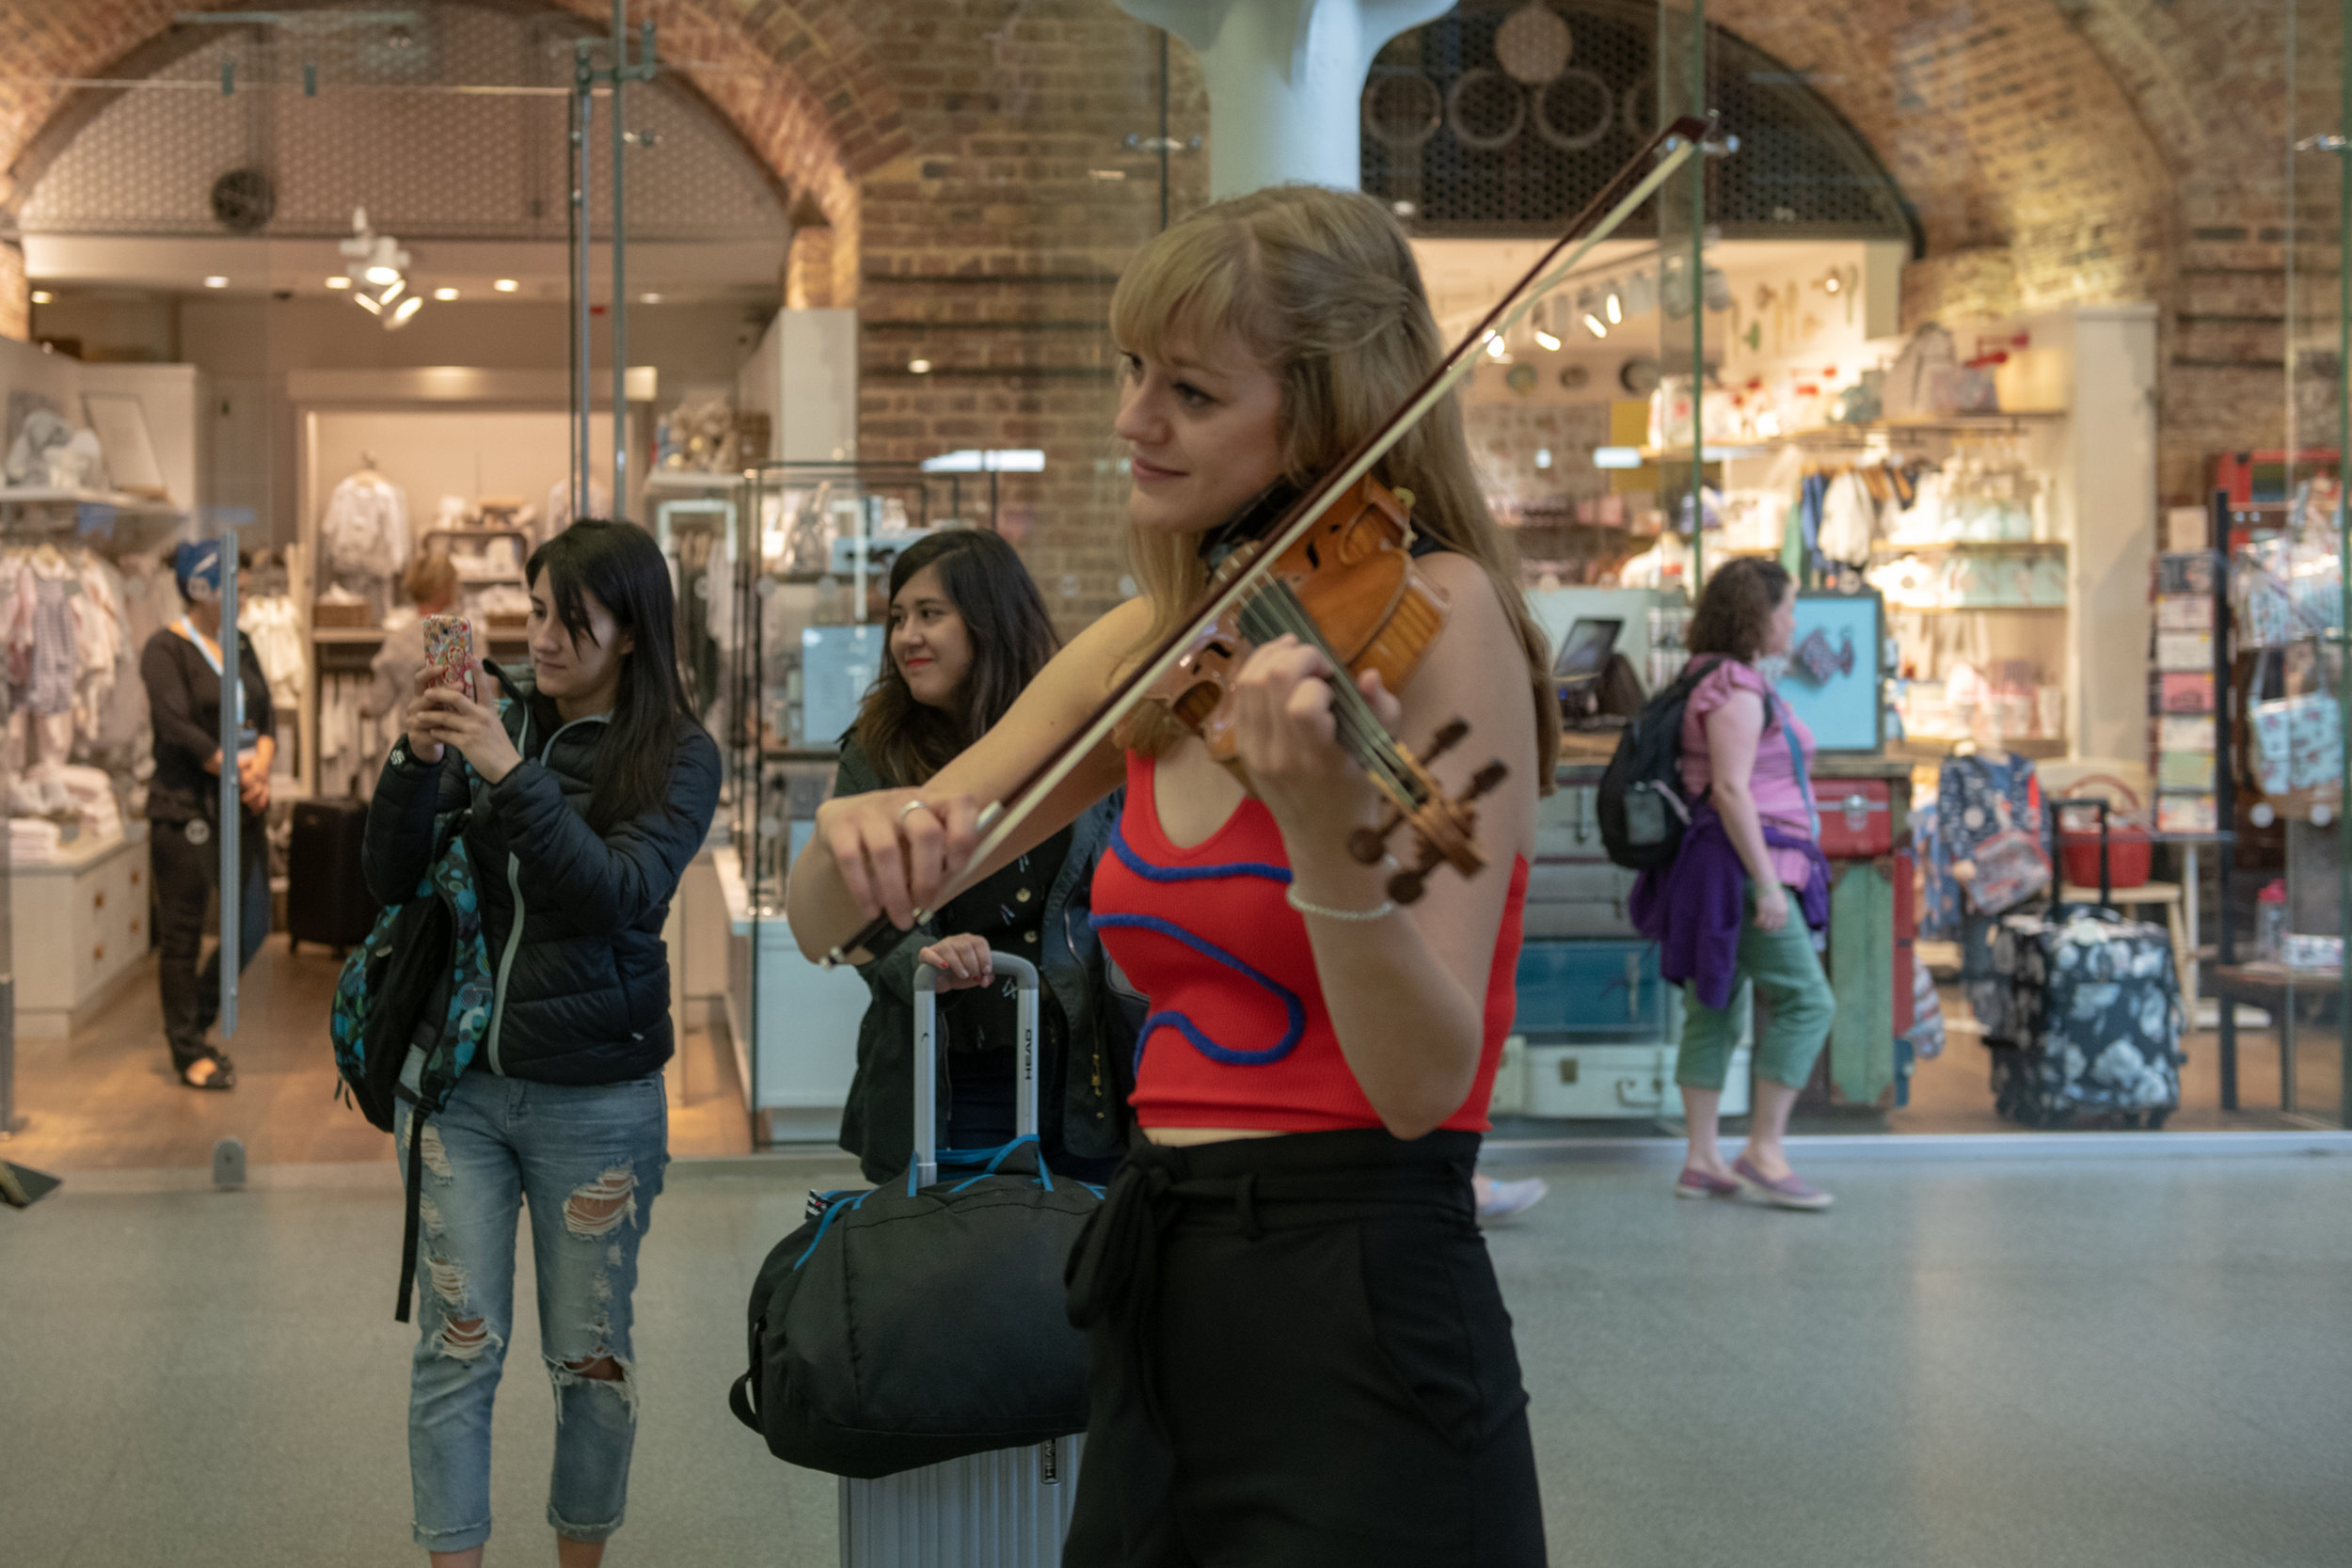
pixel 427 941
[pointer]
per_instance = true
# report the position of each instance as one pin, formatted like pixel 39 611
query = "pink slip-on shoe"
pixel 1786 1192
pixel 1694 1182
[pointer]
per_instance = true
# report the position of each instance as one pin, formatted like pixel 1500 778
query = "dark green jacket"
pixel 1089 1083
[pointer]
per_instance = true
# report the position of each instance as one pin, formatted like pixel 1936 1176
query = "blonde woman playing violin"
pixel 1300 1352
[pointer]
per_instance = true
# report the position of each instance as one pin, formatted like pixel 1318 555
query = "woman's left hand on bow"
pixel 1285 734
pixel 446 716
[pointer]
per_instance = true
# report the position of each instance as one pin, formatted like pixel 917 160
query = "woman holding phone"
pixel 588 786
pixel 968 630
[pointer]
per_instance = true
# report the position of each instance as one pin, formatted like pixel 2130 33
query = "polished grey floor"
pixel 1981 1363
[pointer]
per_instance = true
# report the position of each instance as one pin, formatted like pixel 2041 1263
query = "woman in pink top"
pixel 1753 844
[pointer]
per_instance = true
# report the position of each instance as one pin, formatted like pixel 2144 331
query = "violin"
pixel 1333 567
pixel 1350 588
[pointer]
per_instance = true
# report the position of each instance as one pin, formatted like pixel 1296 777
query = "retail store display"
pixel 2093 1020
pixel 72 623
pixel 854 1368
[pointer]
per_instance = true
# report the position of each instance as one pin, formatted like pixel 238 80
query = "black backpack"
pixel 1641 811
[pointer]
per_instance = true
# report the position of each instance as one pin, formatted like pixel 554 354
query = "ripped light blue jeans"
pixel 588 1161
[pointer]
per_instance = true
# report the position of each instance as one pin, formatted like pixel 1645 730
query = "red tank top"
pixel 1238 1035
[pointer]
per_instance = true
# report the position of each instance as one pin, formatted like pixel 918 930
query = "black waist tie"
pixel 1249 1186
pixel 1299 1179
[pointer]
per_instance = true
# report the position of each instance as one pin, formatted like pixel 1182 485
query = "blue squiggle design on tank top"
pixel 1293 1009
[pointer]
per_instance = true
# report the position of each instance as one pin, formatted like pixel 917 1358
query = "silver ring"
pixel 911 805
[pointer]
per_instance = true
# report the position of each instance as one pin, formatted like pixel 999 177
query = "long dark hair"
pixel 1011 637
pixel 1736 608
pixel 620 564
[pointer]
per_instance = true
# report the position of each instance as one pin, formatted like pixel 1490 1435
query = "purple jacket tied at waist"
pixel 1694 907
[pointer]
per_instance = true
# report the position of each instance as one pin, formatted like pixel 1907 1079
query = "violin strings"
pixel 1275 609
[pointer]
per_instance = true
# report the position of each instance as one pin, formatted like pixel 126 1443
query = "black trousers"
pixel 187 877
pixel 1300 1358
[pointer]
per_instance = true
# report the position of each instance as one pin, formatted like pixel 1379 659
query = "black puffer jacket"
pixel 573 920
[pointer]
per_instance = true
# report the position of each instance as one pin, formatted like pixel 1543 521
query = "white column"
pixel 1286 79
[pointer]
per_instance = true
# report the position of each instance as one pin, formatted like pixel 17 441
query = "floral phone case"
pixel 449 649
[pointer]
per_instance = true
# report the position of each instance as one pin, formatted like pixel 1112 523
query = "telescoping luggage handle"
pixel 1023 974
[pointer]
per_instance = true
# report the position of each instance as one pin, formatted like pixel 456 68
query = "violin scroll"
pixel 1445 829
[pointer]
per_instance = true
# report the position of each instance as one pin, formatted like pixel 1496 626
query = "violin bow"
pixel 1617 200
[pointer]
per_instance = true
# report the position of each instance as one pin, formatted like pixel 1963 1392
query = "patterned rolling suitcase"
pixel 1006 1508
pixel 2092 1020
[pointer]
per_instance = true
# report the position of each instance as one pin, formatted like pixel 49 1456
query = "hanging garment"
pixel 364 531
pixel 1848 514
pixel 49 686
pixel 274 626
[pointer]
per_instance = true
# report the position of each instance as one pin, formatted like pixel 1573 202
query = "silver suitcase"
pixel 1008 1508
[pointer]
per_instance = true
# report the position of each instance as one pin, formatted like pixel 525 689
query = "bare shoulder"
pixel 1476 623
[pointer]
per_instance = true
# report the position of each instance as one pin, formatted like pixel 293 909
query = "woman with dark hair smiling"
pixel 968 630
pixel 587 786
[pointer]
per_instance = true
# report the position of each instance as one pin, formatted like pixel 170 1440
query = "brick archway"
pixel 797 80
pixel 2034 172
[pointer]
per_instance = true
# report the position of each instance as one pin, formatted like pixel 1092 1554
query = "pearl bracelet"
pixel 1378 912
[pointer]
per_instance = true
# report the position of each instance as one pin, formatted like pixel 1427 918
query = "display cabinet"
pixel 797 642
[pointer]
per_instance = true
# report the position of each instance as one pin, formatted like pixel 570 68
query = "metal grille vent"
pixel 1503 118
pixel 336 110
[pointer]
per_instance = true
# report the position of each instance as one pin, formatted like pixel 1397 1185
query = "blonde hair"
pixel 429 577
pixel 1321 286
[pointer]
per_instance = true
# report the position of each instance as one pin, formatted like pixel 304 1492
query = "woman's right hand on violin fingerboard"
pixel 895 850
pixel 963 960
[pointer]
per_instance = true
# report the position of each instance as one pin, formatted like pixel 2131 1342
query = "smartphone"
pixel 449 651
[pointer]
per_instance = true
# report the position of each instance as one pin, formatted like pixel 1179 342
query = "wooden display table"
pixel 2273 988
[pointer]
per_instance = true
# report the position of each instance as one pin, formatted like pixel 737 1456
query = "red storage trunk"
pixel 1857 818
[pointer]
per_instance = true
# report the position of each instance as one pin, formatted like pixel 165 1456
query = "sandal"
pixel 223 1076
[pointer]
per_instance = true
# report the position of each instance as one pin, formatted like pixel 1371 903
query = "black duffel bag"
pixel 925 1320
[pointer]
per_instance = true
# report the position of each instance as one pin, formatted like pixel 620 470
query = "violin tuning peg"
pixel 1446 739
pixel 1407 887
pixel 1367 845
pixel 1485 778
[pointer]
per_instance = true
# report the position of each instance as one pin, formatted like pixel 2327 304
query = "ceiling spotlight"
pixel 392 291
pixel 506 285
pixel 1547 339
pixel 407 308
pixel 41 296
pixel 1830 283
pixel 918 367
pixel 445 295
pixel 382 274
pixel 648 299
pixel 1588 308
pixel 1496 348
pixel 1615 304
pixel 1595 325
pixel 339 282
pixel 216 282
pixel 367 302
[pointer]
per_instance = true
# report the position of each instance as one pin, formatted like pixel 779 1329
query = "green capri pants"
pixel 1782 965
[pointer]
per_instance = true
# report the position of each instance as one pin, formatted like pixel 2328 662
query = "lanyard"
pixel 246 735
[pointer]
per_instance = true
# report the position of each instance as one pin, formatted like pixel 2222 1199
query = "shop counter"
pixel 81 924
pixel 1575 893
